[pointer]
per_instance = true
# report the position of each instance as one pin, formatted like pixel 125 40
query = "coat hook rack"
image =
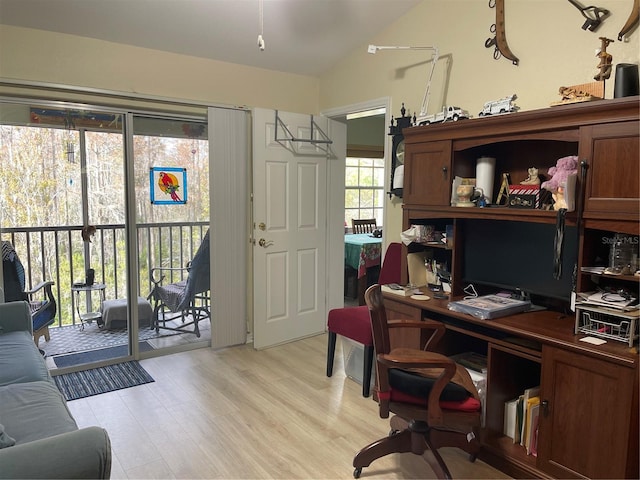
pixel 323 140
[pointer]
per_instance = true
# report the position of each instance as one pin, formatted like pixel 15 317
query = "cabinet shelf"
pixel 608 276
pixel 489 213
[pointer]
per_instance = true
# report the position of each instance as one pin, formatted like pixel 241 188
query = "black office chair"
pixel 188 298
pixel 42 303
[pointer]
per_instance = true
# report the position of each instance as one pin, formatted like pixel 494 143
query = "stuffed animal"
pixel 565 167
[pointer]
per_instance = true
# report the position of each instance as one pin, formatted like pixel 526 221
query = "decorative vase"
pixel 464 193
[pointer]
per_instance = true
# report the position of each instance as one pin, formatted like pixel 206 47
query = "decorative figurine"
pixel 533 178
pixel 502 105
pixel 590 91
pixel 606 61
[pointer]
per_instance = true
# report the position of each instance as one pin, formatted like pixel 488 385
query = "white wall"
pixel 546 36
pixel 39 56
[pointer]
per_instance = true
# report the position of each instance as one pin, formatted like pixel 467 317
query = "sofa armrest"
pixel 84 453
pixel 14 317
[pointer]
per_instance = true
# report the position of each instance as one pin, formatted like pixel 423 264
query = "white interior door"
pixel 290 189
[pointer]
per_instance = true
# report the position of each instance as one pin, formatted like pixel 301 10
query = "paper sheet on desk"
pixel 593 341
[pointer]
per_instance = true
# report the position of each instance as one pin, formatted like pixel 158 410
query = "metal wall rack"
pixel 323 140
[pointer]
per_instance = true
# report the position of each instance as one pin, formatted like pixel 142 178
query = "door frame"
pixel 335 289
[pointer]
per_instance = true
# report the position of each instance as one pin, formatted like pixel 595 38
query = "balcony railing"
pixel 60 254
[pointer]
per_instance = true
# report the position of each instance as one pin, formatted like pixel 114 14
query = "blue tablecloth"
pixel 362 251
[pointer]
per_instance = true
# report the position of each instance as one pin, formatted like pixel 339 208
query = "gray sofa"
pixel 33 413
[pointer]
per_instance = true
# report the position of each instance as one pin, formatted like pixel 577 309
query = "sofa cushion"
pixel 20 360
pixel 5 439
pixel 34 410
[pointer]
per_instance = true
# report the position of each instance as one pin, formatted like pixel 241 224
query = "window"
pixel 364 189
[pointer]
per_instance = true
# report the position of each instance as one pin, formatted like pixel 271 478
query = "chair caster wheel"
pixel 357 472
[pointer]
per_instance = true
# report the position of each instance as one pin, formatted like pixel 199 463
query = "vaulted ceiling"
pixel 304 37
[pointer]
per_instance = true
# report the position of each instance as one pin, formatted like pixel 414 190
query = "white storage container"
pixel 353 356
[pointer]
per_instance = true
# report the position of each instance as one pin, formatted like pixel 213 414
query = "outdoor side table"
pixel 90 313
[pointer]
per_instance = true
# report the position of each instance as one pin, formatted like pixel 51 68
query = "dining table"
pixel 362 252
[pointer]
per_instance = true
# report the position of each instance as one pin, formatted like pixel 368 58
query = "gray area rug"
pixel 102 380
pixel 71 338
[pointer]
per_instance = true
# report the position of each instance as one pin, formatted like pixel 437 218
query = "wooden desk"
pixel 590 422
pixel 361 252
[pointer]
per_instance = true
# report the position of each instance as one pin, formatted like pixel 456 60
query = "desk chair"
pixel 434 399
pixel 367 225
pixel 354 322
pixel 42 303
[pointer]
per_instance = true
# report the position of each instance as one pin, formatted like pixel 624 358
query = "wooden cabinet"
pixel 611 153
pixel 590 425
pixel 588 417
pixel 427 174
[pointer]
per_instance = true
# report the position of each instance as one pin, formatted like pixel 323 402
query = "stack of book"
pixel 521 419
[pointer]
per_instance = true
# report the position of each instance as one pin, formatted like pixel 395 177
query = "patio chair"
pixel 188 299
pixel 42 303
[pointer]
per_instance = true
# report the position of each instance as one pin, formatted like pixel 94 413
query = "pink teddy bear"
pixel 565 167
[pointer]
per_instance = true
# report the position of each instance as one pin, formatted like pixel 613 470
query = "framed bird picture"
pixel 168 185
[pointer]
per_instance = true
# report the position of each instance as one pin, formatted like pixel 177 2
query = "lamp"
pixel 436 54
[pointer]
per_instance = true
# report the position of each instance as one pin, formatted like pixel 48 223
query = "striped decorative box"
pixel 524 196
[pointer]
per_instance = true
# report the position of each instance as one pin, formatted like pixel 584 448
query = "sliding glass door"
pixel 97 200
pixel 171 204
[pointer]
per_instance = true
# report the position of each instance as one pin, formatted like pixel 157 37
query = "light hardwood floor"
pixel 242 413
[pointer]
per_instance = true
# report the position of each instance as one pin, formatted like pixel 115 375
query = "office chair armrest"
pixel 440 368
pixel 426 324
pixel 412 358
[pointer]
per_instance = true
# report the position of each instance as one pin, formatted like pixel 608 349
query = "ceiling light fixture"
pixel 434 59
pixel 260 38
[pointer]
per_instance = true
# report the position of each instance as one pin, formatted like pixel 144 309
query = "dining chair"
pixel 365 225
pixel 433 398
pixel 355 323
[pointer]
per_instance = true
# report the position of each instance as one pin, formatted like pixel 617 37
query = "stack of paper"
pixel 614 301
pixel 490 306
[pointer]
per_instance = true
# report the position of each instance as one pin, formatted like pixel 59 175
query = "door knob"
pixel 265 243
pixel 262 226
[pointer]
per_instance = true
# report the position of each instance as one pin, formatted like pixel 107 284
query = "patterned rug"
pixel 72 338
pixel 97 355
pixel 102 380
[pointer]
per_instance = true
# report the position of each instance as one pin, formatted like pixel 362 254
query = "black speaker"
pixel 626 80
pixel 91 274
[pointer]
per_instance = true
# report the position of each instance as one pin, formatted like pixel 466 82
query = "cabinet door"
pixel 612 189
pixel 427 173
pixel 586 426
